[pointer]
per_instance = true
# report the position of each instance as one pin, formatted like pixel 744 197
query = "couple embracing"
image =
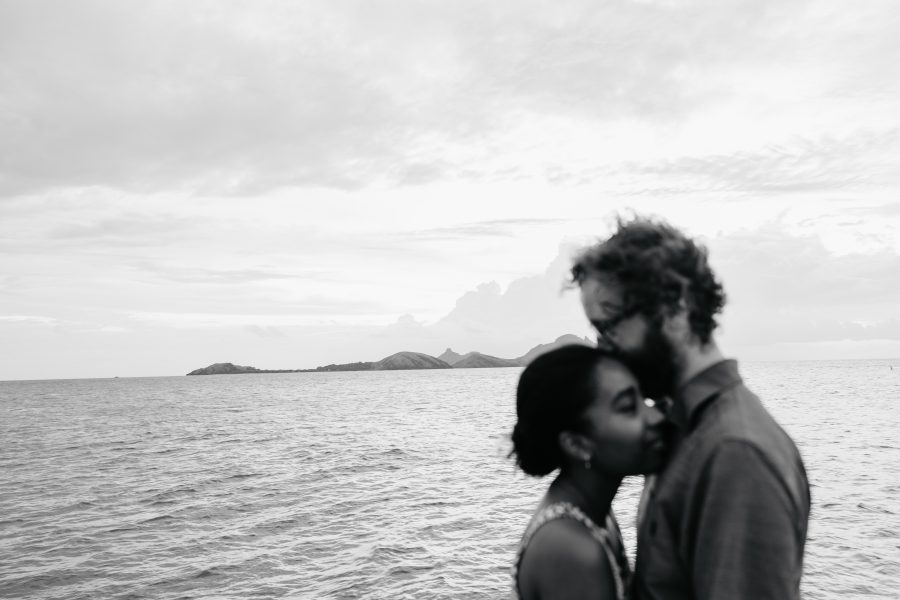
pixel 725 514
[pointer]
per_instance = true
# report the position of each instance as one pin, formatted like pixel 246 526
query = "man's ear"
pixel 574 446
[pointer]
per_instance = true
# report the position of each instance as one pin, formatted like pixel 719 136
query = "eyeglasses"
pixel 605 326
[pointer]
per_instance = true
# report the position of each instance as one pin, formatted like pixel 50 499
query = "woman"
pixel 580 411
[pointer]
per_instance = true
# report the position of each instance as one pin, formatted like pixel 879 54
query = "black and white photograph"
pixel 456 300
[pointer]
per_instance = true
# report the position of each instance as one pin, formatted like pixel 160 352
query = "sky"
pixel 287 185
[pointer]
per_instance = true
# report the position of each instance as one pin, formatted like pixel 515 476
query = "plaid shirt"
pixel 727 517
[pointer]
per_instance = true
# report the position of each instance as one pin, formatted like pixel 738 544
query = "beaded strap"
pixel 567 510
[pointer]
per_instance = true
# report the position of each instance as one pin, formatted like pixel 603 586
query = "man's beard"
pixel 653 365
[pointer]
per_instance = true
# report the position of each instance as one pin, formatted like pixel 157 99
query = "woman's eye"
pixel 626 401
pixel 627 406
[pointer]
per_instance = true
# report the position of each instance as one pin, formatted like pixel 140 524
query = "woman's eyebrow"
pixel 622 393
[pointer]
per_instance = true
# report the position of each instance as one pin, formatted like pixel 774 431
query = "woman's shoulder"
pixel 563 554
pixel 569 540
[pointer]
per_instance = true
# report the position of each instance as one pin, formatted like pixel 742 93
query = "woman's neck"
pixel 590 491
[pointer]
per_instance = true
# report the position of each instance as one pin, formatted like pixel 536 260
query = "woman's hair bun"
pixel 536 457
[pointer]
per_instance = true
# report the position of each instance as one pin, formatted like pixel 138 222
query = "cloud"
pixel 113 329
pixel 790 297
pixel 891 209
pixel 198 275
pixel 789 288
pixel 279 311
pixel 406 333
pixel 158 96
pixel 231 98
pixel 779 328
pixel 406 323
pixel 793 272
pixel 531 310
pixel 265 332
pixel 782 287
pixel 32 319
pixel 501 228
pixel 127 229
pixel 827 163
pixel 255 323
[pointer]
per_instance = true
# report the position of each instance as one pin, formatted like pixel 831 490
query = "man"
pixel 727 517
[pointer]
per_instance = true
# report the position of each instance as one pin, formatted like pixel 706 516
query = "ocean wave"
pixel 345 495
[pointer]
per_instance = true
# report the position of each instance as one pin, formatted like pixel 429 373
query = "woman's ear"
pixel 574 446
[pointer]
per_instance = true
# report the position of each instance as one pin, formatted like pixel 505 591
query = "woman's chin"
pixel 654 459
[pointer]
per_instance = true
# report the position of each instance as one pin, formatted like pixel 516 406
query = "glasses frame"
pixel 605 326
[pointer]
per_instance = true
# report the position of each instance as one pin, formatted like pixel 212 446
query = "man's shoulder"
pixel 739 415
pixel 740 426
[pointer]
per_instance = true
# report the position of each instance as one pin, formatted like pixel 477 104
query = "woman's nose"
pixel 654 417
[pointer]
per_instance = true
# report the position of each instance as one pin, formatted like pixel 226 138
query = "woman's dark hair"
pixel 658 266
pixel 553 392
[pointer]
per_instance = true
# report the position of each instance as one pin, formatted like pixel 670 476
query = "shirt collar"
pixel 702 387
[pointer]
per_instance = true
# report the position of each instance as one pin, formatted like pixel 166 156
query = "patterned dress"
pixel 609 537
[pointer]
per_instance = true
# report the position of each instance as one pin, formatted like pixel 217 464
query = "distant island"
pixel 410 360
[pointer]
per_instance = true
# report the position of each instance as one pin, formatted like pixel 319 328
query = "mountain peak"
pixel 450 357
pixel 223 369
pixel 562 340
pixel 410 360
pixel 477 360
pixel 414 360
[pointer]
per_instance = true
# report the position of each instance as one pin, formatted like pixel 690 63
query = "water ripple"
pixel 365 485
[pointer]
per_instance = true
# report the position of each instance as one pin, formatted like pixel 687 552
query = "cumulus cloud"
pixel 508 322
pixel 782 287
pixel 774 268
pixel 785 287
pixel 789 297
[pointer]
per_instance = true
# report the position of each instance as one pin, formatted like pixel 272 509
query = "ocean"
pixel 368 485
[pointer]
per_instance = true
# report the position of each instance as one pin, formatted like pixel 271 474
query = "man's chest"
pixel 663 558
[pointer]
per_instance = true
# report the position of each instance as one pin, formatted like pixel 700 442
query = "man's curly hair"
pixel 657 266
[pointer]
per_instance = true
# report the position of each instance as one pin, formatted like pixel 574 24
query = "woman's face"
pixel 628 437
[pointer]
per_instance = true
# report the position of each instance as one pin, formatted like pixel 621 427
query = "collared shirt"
pixel 728 515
